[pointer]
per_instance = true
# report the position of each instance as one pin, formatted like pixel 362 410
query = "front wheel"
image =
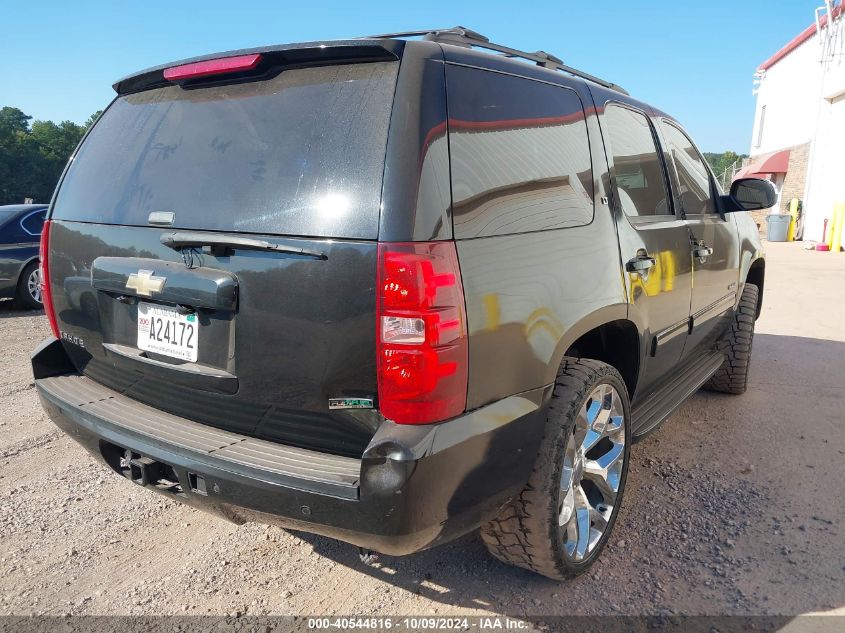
pixel 735 344
pixel 563 518
pixel 29 288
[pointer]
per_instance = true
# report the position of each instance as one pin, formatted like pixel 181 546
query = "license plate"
pixel 165 331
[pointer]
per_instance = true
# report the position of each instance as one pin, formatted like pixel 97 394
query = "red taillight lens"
pixel 220 66
pixel 44 266
pixel 422 335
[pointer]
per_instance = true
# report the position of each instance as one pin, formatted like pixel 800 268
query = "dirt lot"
pixel 735 506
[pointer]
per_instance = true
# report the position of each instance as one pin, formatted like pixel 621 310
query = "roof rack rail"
pixel 462 36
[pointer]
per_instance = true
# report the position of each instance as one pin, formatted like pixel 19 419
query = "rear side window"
pixel 33 223
pixel 637 170
pixel 695 190
pixel 520 155
pixel 299 154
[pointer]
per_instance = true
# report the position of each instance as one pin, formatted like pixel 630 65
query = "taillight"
pixel 221 66
pixel 44 268
pixel 422 332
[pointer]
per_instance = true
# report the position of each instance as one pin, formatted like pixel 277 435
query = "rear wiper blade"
pixel 222 244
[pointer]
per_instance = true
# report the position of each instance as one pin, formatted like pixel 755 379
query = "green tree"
pixel 728 159
pixel 32 156
pixel 16 158
pixel 92 119
pixel 13 120
pixel 720 162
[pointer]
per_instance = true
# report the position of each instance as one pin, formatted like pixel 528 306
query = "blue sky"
pixel 694 60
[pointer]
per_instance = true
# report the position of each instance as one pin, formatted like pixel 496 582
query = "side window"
pixel 34 223
pixel 637 169
pixel 520 155
pixel 696 192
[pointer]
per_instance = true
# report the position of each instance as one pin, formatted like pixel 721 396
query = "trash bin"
pixel 778 226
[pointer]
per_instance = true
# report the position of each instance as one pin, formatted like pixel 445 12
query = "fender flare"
pixel 597 318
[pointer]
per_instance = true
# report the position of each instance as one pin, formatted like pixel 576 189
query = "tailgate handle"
pixel 207 288
pixel 221 244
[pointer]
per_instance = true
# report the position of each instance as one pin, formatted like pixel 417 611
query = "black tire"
pixel 527 533
pixel 23 297
pixel 735 344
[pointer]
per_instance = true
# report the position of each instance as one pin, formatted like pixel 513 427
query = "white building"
pixel 798 139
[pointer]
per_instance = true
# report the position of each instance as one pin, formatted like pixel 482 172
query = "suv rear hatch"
pixel 213 250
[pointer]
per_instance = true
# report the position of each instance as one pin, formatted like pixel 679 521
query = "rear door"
pixel 714 242
pixel 653 240
pixel 213 251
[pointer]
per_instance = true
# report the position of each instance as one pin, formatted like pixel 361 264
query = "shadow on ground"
pixel 9 309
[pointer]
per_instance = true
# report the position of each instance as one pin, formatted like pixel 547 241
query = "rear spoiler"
pixel 289 55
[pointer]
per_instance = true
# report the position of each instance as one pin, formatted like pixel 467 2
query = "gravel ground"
pixel 734 506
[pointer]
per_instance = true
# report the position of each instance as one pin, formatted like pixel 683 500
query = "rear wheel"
pixel 560 523
pixel 732 376
pixel 29 288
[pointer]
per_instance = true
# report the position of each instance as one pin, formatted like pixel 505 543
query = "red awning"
pixel 774 163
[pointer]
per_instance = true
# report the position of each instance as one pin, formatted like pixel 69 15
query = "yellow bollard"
pixel 831 228
pixel 839 215
pixel 793 223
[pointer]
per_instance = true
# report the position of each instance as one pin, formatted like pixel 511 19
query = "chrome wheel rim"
pixel 592 471
pixel 33 285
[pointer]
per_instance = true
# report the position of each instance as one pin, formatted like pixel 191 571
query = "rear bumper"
pixel 415 486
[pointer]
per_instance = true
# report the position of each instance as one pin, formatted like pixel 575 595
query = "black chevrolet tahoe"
pixel 391 290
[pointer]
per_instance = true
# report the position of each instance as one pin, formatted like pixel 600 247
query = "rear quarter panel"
pixel 529 297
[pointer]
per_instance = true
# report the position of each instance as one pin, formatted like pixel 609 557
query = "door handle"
pixel 700 249
pixel 640 264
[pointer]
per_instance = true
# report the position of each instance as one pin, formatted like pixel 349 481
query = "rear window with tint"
pixel 520 155
pixel 298 154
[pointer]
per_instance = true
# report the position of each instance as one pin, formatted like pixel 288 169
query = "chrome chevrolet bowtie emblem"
pixel 145 283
